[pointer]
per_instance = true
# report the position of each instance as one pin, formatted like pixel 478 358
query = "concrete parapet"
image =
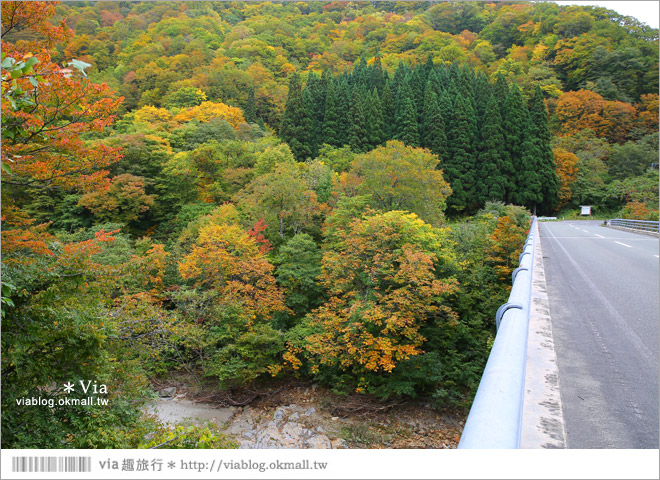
pixel 543 420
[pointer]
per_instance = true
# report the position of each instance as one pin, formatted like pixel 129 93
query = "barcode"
pixel 51 464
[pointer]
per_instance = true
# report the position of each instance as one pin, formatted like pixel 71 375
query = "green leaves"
pixel 80 66
pixel 6 301
pixel 400 177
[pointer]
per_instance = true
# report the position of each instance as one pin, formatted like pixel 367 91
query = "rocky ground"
pixel 311 417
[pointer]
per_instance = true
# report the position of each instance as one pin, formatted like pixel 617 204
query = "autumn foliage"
pixel 505 247
pixel 228 261
pixel 566 173
pixel 302 190
pixel 210 110
pixel 41 134
pixel 383 289
pixel 585 109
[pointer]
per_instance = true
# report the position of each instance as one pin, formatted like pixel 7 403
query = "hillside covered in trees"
pixel 257 192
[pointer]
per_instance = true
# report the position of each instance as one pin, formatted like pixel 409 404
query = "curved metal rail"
pixel 495 419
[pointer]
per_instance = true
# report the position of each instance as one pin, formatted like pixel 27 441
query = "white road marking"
pixel 600 236
pixel 656 256
pixel 586 231
pixel 629 246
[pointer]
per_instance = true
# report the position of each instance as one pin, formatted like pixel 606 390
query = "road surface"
pixel 603 289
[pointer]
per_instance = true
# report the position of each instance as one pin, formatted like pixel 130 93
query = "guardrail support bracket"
pixel 515 272
pixel 502 310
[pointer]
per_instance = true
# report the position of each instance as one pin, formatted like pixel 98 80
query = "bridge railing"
pixel 641 225
pixel 495 419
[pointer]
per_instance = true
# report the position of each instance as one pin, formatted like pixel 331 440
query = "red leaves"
pixel 255 232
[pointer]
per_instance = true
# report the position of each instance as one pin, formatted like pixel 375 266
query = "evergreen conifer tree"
pixel 310 105
pixel 250 110
pixel 406 126
pixel 358 131
pixel 343 92
pixel 361 73
pixel 516 126
pixel 387 108
pixel 466 85
pixel 397 79
pixel 428 66
pixel 417 85
pixel 482 92
pixel 433 135
pixel 446 109
pixel 501 92
pixel 460 167
pixel 314 100
pixel 377 80
pixel 374 118
pixel 442 76
pixel 536 181
pixel 433 83
pixel 454 79
pixel 296 124
pixel 331 119
pixel 492 184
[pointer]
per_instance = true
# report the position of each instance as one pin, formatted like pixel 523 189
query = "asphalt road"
pixel 603 289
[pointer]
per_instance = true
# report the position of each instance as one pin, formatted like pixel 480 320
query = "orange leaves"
pixel 149 270
pixel 34 16
pixel 227 260
pixel 586 109
pixel 618 120
pixel 506 239
pixel 574 108
pixel 648 111
pixel 19 235
pixel 256 233
pixel 30 240
pixel 639 210
pixel 124 200
pixel 41 136
pixel 566 173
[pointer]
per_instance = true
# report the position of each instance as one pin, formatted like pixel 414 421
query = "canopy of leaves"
pixel 400 177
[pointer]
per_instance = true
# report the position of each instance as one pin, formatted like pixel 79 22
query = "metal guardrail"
pixel 642 225
pixel 495 419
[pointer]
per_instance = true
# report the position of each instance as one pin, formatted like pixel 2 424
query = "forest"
pixel 257 193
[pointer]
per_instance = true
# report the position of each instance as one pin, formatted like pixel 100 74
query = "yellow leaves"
pixel 507 239
pixel 382 278
pixel 152 115
pixel 210 110
pixel 540 52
